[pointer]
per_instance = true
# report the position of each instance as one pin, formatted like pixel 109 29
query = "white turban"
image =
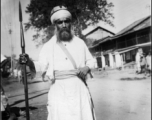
pixel 60 14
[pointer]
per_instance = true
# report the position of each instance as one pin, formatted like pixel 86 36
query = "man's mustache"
pixel 64 30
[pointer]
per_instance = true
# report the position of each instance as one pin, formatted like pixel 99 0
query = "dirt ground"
pixel 117 95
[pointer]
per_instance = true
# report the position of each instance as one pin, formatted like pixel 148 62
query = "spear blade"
pixel 21 28
pixel 20 12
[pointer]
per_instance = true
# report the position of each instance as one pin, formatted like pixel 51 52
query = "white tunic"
pixel 68 99
pixel 111 60
pixel 118 60
pixel 148 58
pixel 103 61
pixel 138 62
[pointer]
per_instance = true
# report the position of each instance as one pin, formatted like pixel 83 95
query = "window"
pixel 143 37
pixel 131 42
pixel 121 44
pixel 128 56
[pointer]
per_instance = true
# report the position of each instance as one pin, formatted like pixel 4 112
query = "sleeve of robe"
pixel 45 61
pixel 42 62
pixel 89 61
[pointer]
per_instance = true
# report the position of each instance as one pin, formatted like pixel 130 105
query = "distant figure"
pixel 118 61
pixel 138 58
pixel 20 70
pixel 18 73
pixel 5 68
pixel 19 76
pixel 15 73
pixel 103 62
pixel 148 58
pixel 143 63
pixel 5 108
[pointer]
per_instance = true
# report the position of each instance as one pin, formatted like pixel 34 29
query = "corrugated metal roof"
pixel 96 43
pixel 137 25
pixel 92 31
pixel 144 21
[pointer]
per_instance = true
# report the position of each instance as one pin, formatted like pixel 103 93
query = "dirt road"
pixel 117 95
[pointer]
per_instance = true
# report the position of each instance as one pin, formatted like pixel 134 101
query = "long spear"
pixel 24 63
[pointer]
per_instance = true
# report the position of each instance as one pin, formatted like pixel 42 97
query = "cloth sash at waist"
pixel 65 74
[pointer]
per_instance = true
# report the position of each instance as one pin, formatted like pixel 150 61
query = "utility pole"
pixel 11 46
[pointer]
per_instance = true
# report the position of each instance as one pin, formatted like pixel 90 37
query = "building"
pixel 96 34
pixel 94 37
pixel 121 48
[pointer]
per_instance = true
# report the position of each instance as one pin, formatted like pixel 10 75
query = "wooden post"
pixel 136 39
pixel 24 63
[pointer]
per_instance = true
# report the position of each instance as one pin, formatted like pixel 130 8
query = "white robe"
pixel 118 60
pixel 68 99
pixel 138 62
pixel 148 58
pixel 103 61
pixel 111 60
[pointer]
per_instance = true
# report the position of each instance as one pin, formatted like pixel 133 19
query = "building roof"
pixel 96 43
pixel 92 31
pixel 137 25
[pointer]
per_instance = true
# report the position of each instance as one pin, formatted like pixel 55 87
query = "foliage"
pixel 84 13
pixel 90 41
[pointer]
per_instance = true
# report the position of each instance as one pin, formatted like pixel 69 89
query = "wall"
pixel 99 34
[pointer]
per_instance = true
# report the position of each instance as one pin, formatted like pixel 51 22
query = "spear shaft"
pixel 24 65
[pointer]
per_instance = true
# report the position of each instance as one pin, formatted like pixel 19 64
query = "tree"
pixel 90 41
pixel 84 13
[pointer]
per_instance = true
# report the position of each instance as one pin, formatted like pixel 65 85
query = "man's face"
pixel 63 26
pixel 140 50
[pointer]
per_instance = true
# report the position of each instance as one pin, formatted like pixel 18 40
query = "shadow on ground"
pixel 34 82
pixel 134 78
pixel 23 100
pixel 40 113
pixel 29 93
pixel 19 112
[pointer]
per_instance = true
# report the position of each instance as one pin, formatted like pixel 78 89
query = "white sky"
pixel 125 12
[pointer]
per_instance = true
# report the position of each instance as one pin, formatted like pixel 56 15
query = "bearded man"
pixel 67 61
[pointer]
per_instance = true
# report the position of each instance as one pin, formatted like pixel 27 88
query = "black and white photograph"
pixel 75 60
